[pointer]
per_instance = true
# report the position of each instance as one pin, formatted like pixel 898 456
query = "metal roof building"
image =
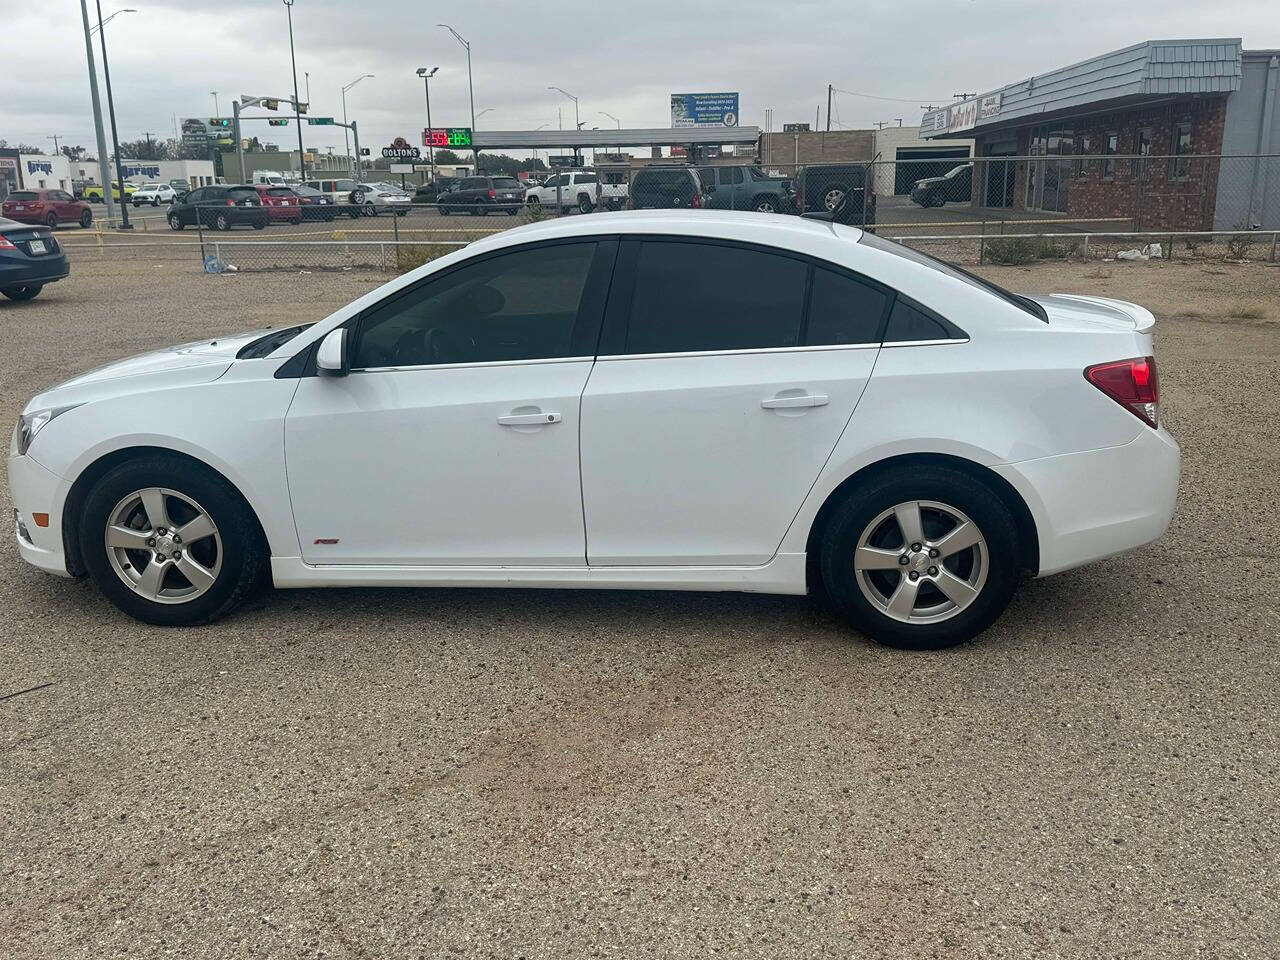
pixel 608 139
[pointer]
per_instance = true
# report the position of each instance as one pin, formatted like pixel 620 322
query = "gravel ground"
pixel 512 774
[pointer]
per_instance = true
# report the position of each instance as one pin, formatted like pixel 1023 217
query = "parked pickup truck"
pixel 584 189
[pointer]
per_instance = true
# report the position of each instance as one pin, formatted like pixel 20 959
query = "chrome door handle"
pixel 528 419
pixel 804 400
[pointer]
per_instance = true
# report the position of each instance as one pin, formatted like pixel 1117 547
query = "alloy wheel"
pixel 832 198
pixel 163 545
pixel 921 562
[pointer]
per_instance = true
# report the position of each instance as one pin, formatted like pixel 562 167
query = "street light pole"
pixel 577 124
pixel 111 112
pixel 606 113
pixel 471 92
pixel 103 171
pixel 345 138
pixel 426 76
pixel 216 111
pixel 297 109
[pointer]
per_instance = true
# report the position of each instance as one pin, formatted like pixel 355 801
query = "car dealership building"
pixel 1076 140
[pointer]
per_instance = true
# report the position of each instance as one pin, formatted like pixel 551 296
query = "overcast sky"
pixel 622 58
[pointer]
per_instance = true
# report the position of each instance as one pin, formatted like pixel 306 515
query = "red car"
pixel 50 207
pixel 281 203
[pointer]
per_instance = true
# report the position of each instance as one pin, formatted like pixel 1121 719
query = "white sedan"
pixel 154 194
pixel 671 400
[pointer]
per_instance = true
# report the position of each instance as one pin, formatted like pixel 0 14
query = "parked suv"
pixel 735 187
pixel 222 207
pixel 482 195
pixel 50 207
pixel 338 191
pixel 823 188
pixel 951 187
pixel 154 194
pixel 664 188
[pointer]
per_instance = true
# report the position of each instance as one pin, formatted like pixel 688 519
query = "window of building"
pixel 1144 150
pixel 1084 146
pixel 1179 164
pixel 1110 147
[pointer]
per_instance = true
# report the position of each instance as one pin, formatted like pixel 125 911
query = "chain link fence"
pixel 1015 209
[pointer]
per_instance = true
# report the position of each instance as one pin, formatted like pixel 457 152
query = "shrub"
pixel 1246 310
pixel 411 255
pixel 1238 245
pixel 1017 251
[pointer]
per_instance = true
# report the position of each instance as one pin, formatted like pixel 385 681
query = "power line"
pixel 872 96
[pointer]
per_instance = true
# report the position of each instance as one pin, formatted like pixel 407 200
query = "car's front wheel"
pixel 921 558
pixel 222 222
pixel 175 222
pixel 170 542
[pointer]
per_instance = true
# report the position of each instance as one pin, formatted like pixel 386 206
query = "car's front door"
pixel 726 375
pixel 454 439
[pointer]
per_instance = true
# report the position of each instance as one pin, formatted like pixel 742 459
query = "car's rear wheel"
pixel 29 292
pixel 766 205
pixel 222 222
pixel 584 204
pixel 169 542
pixel 51 221
pixel 175 222
pixel 86 219
pixel 921 558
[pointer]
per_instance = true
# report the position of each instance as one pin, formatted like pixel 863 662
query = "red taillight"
pixel 230 202
pixel 492 193
pixel 6 243
pixel 1133 383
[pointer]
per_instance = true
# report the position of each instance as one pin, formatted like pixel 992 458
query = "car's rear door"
pixel 725 377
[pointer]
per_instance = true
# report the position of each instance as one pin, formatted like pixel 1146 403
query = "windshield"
pixel 908 253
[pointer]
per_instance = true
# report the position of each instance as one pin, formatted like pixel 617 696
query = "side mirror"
pixel 332 359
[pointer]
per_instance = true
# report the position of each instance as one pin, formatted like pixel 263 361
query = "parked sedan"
pixel 154 194
pixel 951 187
pixel 30 258
pixel 50 207
pixel 372 199
pixel 220 207
pixel 281 203
pixel 672 400
pixel 315 205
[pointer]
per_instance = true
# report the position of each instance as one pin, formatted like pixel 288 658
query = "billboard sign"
pixel 989 106
pixel 401 149
pixel 438 137
pixel 962 116
pixel 704 109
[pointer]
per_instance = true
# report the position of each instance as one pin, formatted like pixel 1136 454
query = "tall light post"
pixel 483 112
pixel 606 113
pixel 216 111
pixel 471 92
pixel 426 75
pixel 346 135
pixel 577 124
pixel 111 112
pixel 113 16
pixel 103 172
pixel 297 108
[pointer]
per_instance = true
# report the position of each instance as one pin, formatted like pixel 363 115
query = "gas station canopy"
pixel 605 139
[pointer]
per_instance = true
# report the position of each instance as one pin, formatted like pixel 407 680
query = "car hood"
pixel 1072 312
pixel 929 181
pixel 201 361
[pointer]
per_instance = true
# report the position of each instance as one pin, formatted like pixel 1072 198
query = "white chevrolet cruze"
pixel 669 400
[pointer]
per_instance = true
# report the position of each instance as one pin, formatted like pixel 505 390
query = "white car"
pixel 375 198
pixel 661 399
pixel 154 194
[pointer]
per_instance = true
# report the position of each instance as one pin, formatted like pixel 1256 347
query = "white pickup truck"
pixel 584 189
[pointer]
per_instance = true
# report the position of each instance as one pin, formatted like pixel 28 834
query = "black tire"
pixel 512 212
pixel 244 554
pixel 940 484
pixel 222 221
pixel 155 202
pixel 584 204
pixel 51 221
pixel 29 292
pixel 86 220
pixel 259 225
pixel 444 211
pixel 765 204
pixel 175 222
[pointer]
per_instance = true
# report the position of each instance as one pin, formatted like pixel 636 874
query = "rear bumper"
pixel 37 490
pixel 42 270
pixel 1094 504
pixel 27 216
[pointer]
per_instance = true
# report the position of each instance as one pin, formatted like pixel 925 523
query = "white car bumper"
pixel 36 490
pixel 1098 503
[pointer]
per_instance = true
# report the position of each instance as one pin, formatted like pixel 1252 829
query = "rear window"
pixel 915 256
pixel 242 193
pixel 279 192
pixel 506 183
pixel 24 195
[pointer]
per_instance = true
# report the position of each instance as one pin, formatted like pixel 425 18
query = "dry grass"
pixel 1247 310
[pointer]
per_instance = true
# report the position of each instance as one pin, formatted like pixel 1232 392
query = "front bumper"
pixel 37 490
pixel 1095 504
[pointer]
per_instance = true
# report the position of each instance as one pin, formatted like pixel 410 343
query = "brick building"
pixel 1135 135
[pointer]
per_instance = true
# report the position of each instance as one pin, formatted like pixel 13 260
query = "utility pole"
pixel 426 76
pixel 151 151
pixel 830 89
pixel 297 108
pixel 216 111
pixel 111 112
pixel 355 135
pixel 103 172
pixel 235 132
pixel 307 74
pixel 964 96
pixel 55 137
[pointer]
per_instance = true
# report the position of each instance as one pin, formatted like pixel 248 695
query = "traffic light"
pixel 302 107
pixel 220 122
pixel 277 122
pixel 271 104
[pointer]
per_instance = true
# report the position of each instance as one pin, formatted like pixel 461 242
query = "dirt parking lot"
pixel 533 774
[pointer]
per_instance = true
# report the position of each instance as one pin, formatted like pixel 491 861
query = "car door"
pixel 726 375
pixel 187 210
pixel 454 439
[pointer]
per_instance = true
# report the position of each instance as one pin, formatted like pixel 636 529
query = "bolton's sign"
pixel 401 149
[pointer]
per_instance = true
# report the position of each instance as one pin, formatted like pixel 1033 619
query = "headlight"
pixel 29 424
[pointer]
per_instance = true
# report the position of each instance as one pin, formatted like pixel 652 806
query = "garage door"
pixel 924 162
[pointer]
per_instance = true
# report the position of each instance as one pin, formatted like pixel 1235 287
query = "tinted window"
pixel 843 310
pixel 585 178
pixel 279 192
pixel 195 196
pixel 701 296
pixel 345 185
pixel 909 322
pixel 24 195
pixel 731 175
pixel 474 183
pixel 506 183
pixel 517 306
pixel 240 194
pixel 663 188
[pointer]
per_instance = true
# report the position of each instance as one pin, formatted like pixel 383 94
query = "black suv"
pixel 840 188
pixel 665 188
pixel 483 195
pixel 220 207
